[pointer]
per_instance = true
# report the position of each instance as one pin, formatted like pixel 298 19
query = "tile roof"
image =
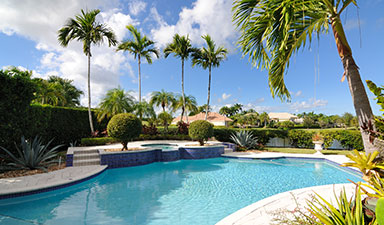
pixel 212 117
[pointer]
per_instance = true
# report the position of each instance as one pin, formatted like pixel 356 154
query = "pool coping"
pixel 44 182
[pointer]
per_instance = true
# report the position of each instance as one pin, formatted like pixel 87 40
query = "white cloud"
pixel 224 97
pixel 199 20
pixel 136 7
pixel 298 93
pixel 40 21
pixel 311 104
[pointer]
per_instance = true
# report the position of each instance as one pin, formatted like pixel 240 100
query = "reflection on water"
pixel 181 192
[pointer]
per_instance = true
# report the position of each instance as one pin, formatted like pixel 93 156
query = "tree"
pixel 48 93
pixel 70 92
pixel 207 58
pixel 165 119
pixel 181 47
pixel 140 46
pixel 163 99
pixel 347 119
pixel 186 103
pixel 226 111
pixel 116 101
pixel 272 31
pixel 264 118
pixel 144 109
pixel 84 28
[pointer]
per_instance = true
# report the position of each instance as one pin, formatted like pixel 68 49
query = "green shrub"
pixel 200 130
pixel 300 138
pixel 97 141
pixel 350 139
pixel 16 94
pixel 124 127
pixel 285 125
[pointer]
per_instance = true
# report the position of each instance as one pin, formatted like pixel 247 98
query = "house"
pixel 213 117
pixel 281 117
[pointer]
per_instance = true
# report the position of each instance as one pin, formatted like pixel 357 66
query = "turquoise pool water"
pixel 184 192
pixel 160 145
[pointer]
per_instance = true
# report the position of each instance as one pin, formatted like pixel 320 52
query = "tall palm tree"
pixel 207 58
pixel 84 28
pixel 185 103
pixel 115 101
pixel 273 30
pixel 181 47
pixel 140 46
pixel 144 109
pixel 163 99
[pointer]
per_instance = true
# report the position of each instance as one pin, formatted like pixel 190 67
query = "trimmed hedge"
pixel 97 141
pixel 64 125
pixel 349 139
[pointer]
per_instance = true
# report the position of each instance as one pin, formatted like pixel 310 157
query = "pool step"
pixel 86 158
pixel 228 150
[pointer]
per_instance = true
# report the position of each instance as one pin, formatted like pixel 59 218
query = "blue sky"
pixel 28 38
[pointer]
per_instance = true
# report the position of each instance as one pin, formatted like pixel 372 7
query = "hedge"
pixel 64 125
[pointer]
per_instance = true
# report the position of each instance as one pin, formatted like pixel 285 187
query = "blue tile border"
pixel 20 194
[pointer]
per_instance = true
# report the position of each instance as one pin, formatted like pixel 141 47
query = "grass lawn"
pixel 307 151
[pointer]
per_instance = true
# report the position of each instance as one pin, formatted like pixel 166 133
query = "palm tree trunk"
pixel 356 87
pixel 89 93
pixel 139 80
pixel 209 92
pixel 182 89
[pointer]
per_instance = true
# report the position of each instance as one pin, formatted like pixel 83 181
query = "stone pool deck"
pixel 261 212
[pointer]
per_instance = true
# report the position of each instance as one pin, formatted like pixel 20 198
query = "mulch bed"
pixel 19 173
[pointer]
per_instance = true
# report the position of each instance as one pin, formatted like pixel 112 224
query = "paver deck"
pixel 68 175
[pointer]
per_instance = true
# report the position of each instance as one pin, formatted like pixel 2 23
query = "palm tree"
pixel 84 28
pixel 185 103
pixel 144 109
pixel 264 118
pixel 207 58
pixel 273 30
pixel 70 92
pixel 181 47
pixel 163 99
pixel 116 101
pixel 140 46
pixel 48 93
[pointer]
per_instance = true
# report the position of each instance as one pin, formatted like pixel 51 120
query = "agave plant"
pixel 32 155
pixel 244 139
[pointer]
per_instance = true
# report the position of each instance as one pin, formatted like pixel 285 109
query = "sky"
pixel 28 39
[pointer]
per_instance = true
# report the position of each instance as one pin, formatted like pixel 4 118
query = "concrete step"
pixel 86 156
pixel 79 152
pixel 228 150
pixel 86 162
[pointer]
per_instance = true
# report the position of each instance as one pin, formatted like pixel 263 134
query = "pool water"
pixel 161 146
pixel 183 192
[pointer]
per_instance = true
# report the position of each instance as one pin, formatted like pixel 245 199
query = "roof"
pixel 281 116
pixel 212 117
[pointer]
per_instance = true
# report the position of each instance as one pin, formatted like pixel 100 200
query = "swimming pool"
pixel 181 192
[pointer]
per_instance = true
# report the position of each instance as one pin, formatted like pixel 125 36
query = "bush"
pixel 97 141
pixel 16 94
pixel 285 125
pixel 200 130
pixel 300 138
pixel 182 128
pixel 350 139
pixel 124 127
pixel 151 130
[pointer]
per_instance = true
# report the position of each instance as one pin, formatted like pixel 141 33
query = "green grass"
pixel 307 151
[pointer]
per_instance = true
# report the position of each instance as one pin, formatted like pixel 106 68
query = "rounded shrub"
pixel 124 127
pixel 200 130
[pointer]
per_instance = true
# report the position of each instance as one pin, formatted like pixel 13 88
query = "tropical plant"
pixel 165 119
pixel 48 93
pixel 317 137
pixel 264 118
pixel 162 98
pixel 188 103
pixel 181 48
pixel 115 101
pixel 144 109
pixel 200 130
pixel 69 91
pixel 271 31
pixel 124 127
pixel 208 57
pixel 84 28
pixel 141 47
pixel 182 128
pixel 32 155
pixel 244 139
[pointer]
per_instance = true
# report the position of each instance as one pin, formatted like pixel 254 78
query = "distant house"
pixel 213 117
pixel 281 117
